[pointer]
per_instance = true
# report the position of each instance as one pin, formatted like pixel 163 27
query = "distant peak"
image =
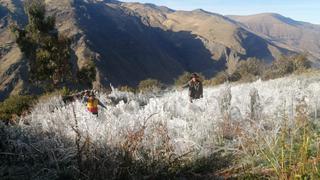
pixel 281 18
pixel 270 14
pixel 199 10
pixel 270 17
pixel 152 6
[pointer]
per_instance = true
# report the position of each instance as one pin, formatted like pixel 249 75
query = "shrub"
pixel 301 63
pixel 127 89
pixel 236 76
pixel 220 78
pixel 15 105
pixel 87 74
pixel 283 65
pixel 185 77
pixel 287 65
pixel 150 85
pixel 270 74
pixel 251 66
pixel 249 69
pixel 295 153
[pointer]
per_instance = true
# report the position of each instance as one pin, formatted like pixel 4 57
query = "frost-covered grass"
pixel 235 130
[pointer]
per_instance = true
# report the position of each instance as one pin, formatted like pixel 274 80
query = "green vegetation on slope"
pixel 150 85
pixel 15 106
pixel 47 51
pixel 252 69
pixel 87 74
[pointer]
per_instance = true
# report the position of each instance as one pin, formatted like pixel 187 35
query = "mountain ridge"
pixel 285 32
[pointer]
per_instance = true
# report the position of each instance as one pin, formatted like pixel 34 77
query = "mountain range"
pixel 130 42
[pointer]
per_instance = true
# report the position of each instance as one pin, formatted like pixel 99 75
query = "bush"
pixel 270 74
pixel 287 65
pixel 252 69
pixel 246 71
pixel 251 66
pixel 236 76
pixel 220 78
pixel 295 153
pixel 249 70
pixel 150 85
pixel 301 63
pixel 15 105
pixel 283 66
pixel 185 77
pixel 87 74
pixel 127 89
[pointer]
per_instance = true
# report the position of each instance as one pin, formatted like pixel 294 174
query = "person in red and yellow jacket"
pixel 92 103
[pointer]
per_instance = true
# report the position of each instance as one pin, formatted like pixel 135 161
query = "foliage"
pixel 233 133
pixel 220 78
pixel 287 65
pixel 87 74
pixel 47 51
pixel 185 77
pixel 15 105
pixel 301 63
pixel 295 152
pixel 251 69
pixel 89 161
pixel 279 68
pixel 127 89
pixel 239 71
pixel 150 85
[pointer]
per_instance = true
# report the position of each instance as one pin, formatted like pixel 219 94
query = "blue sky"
pixel 307 10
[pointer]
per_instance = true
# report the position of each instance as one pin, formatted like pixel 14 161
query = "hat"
pixel 194 75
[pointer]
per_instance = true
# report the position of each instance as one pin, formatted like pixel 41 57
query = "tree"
pixel 48 53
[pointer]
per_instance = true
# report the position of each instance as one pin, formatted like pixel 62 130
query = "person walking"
pixel 92 103
pixel 195 87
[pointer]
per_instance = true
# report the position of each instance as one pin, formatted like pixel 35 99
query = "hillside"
pixel 285 32
pixel 130 42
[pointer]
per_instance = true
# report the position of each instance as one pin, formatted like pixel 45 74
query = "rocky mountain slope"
pixel 130 42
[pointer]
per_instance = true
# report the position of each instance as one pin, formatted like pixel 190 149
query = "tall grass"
pixel 293 153
pixel 242 131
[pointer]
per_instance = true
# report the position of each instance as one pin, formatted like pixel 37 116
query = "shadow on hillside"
pixel 131 51
pixel 34 154
pixel 258 47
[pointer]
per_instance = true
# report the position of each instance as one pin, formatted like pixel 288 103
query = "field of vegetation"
pixel 249 125
pixel 265 129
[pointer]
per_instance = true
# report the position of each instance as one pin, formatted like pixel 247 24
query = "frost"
pixel 222 119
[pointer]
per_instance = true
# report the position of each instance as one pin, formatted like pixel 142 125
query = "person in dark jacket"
pixel 195 87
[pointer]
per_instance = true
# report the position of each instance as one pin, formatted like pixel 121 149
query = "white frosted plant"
pixel 168 126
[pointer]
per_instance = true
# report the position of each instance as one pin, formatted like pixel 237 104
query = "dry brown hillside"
pixel 285 32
